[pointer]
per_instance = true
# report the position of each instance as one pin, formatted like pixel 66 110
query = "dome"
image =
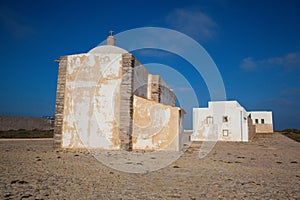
pixel 104 49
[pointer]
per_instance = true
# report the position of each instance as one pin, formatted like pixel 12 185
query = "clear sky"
pixel 255 45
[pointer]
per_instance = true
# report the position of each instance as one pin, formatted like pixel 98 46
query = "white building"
pixel 222 120
pixel 262 120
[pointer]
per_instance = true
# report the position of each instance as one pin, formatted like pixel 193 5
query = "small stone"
pixel 14 181
pixel 26 196
pixel 23 182
pixel 7 195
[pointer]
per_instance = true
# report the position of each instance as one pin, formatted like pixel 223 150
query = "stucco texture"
pixel 90 117
pixel 155 126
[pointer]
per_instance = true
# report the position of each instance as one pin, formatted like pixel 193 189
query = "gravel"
pixel 266 168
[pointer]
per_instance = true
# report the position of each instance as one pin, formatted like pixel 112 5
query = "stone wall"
pixel 153 88
pixel 126 101
pixel 251 129
pixel 166 95
pixel 159 91
pixel 140 79
pixel 264 128
pixel 60 98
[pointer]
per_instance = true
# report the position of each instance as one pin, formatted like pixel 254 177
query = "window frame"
pixel 225 132
pixel 209 120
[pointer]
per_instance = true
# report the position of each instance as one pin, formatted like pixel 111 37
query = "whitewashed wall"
pixel 267 126
pixel 236 125
pixel 91 111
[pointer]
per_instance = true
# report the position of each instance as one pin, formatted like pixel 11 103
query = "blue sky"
pixel 255 45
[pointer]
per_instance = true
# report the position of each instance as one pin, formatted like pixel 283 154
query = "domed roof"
pixel 107 49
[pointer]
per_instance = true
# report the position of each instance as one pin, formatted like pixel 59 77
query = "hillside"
pixel 27 123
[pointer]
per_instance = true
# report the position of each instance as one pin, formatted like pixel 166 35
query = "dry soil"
pixel 266 168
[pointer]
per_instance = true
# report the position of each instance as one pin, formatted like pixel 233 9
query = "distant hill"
pixel 27 123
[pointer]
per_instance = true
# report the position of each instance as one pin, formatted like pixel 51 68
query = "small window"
pixel 225 132
pixel 256 121
pixel 209 120
pixel 225 118
pixel 262 121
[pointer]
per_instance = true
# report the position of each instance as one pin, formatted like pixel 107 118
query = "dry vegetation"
pixel 292 133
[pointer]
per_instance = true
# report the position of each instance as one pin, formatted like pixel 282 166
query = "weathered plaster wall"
pixel 92 101
pixel 202 129
pixel 156 126
pixel 209 123
pixel 95 104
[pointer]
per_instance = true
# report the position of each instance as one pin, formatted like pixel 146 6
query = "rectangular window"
pixel 225 132
pixel 225 118
pixel 262 121
pixel 256 121
pixel 209 120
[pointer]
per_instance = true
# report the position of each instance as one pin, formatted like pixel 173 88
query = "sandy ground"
pixel 267 168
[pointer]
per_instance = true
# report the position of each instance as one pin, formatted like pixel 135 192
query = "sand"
pixel 266 168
